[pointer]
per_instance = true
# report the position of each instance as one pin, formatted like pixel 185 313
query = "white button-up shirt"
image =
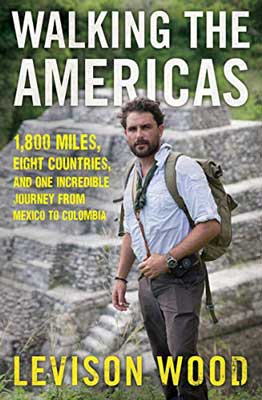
pixel 165 224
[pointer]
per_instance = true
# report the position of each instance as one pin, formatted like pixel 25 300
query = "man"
pixel 170 304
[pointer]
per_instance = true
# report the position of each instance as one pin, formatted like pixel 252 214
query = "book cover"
pixel 67 68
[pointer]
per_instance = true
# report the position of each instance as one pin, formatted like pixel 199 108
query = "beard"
pixel 147 150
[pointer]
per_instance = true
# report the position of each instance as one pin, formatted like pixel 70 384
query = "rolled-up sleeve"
pixel 193 187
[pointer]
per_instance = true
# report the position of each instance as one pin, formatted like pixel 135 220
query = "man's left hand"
pixel 153 266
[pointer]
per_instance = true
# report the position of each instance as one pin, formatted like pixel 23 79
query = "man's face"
pixel 143 134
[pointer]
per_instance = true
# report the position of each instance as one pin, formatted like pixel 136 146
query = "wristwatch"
pixel 172 263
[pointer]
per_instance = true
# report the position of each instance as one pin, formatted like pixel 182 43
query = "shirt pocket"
pixel 155 196
pixel 156 201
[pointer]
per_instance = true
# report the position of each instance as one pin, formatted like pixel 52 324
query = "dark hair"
pixel 141 105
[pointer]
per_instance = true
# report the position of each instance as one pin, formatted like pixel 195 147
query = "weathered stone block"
pixel 190 117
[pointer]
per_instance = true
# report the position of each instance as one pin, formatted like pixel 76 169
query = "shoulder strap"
pixel 127 173
pixel 129 169
pixel 209 301
pixel 171 182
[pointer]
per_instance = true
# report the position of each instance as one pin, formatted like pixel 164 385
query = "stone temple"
pixel 56 277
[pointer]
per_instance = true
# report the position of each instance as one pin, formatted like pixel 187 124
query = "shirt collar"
pixel 160 156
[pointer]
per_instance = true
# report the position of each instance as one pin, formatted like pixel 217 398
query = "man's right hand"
pixel 118 296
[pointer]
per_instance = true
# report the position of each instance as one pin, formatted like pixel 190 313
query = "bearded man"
pixel 158 234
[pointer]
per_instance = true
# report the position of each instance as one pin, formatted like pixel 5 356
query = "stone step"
pixel 115 320
pixel 235 147
pixel 184 118
pixel 233 294
pixel 17 286
pixel 34 272
pixel 77 260
pixel 111 328
pixel 237 296
pixel 24 311
pixel 87 265
pixel 246 225
pixel 75 311
pixel 104 132
pixel 111 323
pixel 95 345
pixel 51 127
pixel 7 346
pixel 246 191
pixel 10 173
pixel 77 227
pixel 138 339
pixel 44 244
pixel 63 127
pixel 81 355
pixel 106 336
pixel 82 307
pixel 225 145
pixel 131 296
pixel 91 202
pixel 6 160
pixel 149 367
pixel 6 221
pixel 101 341
pixel 30 243
pixel 83 261
pixel 74 298
pixel 228 285
pixel 102 194
pixel 247 194
pixel 246 242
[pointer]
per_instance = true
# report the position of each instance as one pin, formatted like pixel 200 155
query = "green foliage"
pixel 3 383
pixel 18 394
pixel 240 394
pixel 147 392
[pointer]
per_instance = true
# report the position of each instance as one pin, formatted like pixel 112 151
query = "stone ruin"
pixel 56 278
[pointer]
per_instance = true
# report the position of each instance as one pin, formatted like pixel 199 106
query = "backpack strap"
pixel 171 182
pixel 129 169
pixel 170 178
pixel 209 302
pixel 121 231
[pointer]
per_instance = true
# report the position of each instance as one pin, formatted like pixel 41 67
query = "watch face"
pixel 172 263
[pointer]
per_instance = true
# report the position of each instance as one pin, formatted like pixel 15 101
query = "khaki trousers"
pixel 170 309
